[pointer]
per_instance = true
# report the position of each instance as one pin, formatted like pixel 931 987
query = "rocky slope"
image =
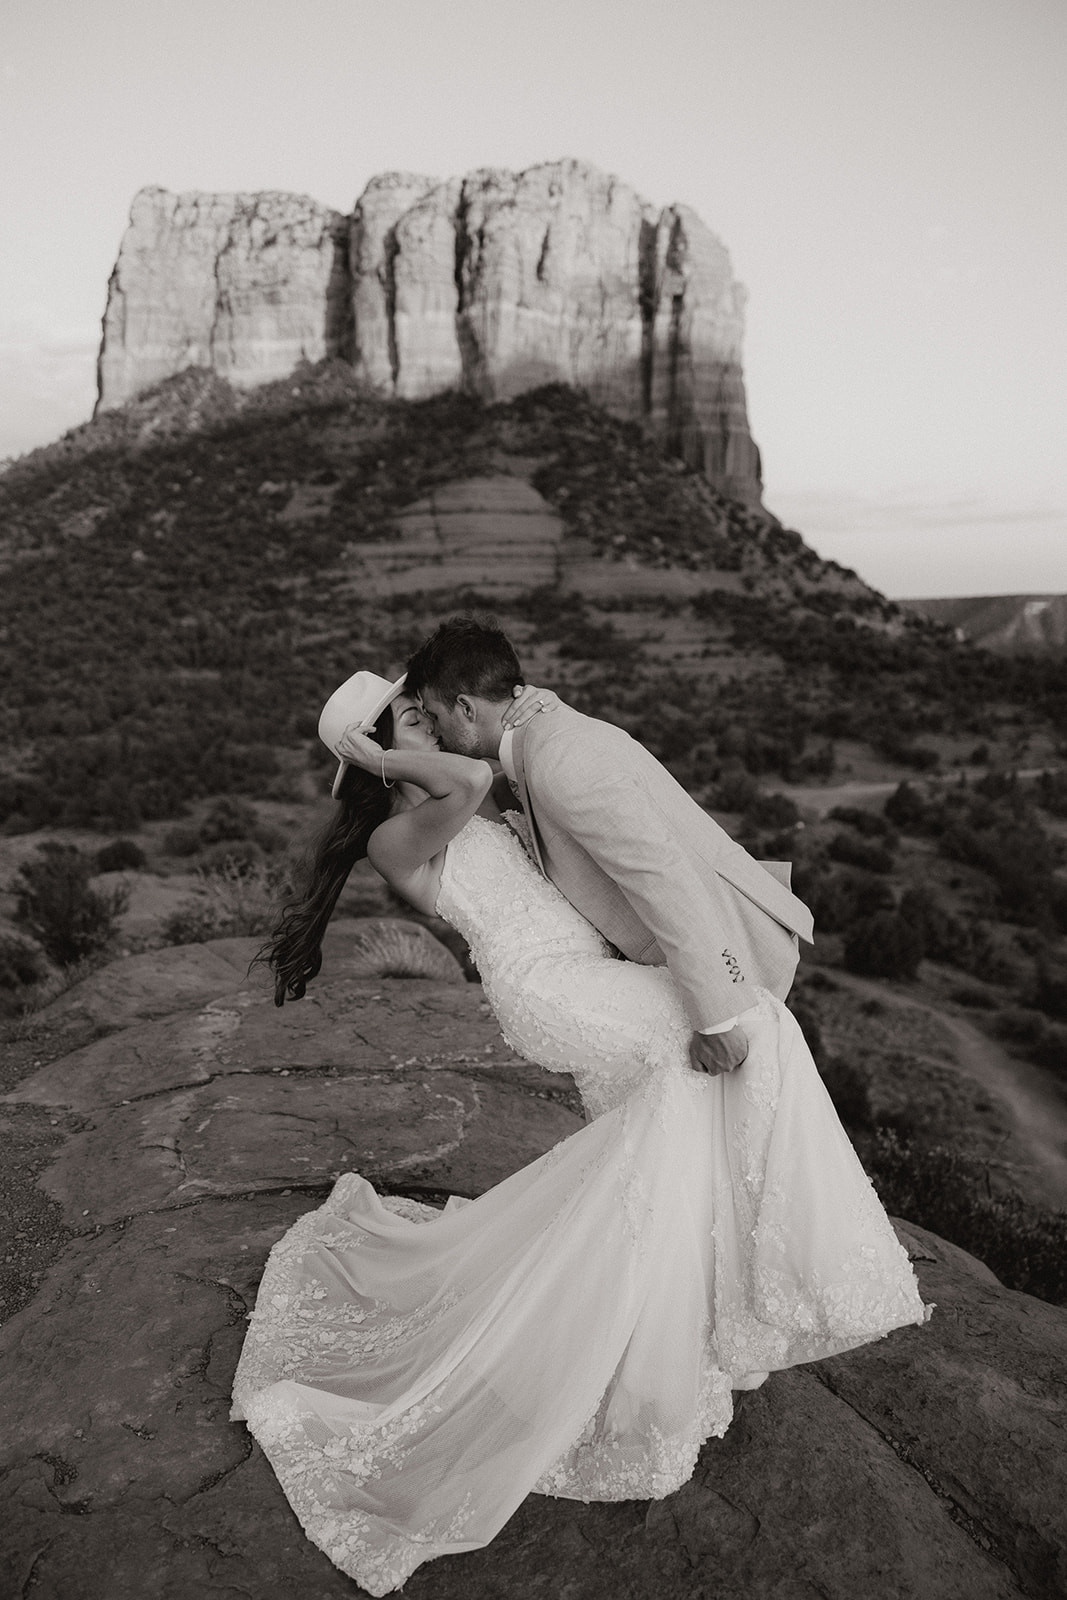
pixel 191 1123
pixel 496 282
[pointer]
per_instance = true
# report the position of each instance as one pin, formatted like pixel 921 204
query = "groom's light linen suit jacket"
pixel 647 866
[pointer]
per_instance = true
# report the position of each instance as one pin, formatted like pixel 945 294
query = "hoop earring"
pixel 385 780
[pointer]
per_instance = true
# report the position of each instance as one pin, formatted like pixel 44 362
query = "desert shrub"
pixel 886 945
pixel 1030 1032
pixel 736 789
pixel 961 942
pixel 270 840
pixel 949 1192
pixel 181 840
pixel 242 856
pixel 855 851
pixel 228 818
pixel 918 756
pixel 976 999
pixel 906 808
pixel 1050 1050
pixel 119 856
pixel 1051 792
pixel 771 811
pixel 870 823
pixel 233 904
pixel 1049 991
pixel 22 967
pixel 839 899
pixel 1019 1025
pixel 396 951
pixel 54 901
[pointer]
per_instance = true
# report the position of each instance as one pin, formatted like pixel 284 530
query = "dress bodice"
pixel 508 913
pixel 561 999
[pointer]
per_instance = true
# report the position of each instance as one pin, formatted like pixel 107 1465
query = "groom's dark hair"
pixel 465 655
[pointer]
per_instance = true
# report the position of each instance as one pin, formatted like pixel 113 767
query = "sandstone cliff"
pixel 496 282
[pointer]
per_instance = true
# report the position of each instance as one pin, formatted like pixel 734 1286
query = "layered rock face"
pixel 497 282
pixel 246 284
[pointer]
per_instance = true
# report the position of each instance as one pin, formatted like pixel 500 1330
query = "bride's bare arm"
pixel 407 841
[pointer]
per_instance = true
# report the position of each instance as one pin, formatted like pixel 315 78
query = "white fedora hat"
pixel 361 699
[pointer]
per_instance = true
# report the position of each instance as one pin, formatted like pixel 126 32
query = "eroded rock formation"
pixel 497 282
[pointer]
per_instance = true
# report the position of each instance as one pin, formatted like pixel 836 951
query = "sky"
pixel 889 177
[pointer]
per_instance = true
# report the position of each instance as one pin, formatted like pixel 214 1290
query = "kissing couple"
pixel 580 1329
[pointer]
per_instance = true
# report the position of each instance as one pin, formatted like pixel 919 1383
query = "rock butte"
pixel 496 282
pixel 926 1466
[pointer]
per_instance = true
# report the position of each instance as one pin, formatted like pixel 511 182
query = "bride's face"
pixel 413 729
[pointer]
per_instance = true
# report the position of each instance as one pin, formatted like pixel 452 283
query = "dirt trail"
pixel 1037 1109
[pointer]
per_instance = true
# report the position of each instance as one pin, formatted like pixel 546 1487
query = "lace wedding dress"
pixel 412 1374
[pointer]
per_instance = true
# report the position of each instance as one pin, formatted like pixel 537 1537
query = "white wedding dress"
pixel 412 1375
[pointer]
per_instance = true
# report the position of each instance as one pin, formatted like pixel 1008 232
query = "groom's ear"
pixel 466 708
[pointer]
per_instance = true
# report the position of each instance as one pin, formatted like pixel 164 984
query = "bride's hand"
pixel 528 702
pixel 360 748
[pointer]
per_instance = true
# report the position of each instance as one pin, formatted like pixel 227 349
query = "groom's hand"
pixel 718 1052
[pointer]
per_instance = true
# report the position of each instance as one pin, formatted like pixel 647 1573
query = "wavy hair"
pixel 294 950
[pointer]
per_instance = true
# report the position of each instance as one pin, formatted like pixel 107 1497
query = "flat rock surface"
pixel 927 1465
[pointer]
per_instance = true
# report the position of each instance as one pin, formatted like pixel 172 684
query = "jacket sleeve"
pixel 613 816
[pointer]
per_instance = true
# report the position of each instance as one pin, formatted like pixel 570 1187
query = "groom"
pixel 623 841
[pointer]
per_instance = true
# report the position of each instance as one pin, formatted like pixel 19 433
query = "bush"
pixel 21 968
pixel 950 1193
pixel 886 945
pixel 736 789
pixel 398 951
pixel 1051 1049
pixel 966 944
pixel 771 811
pixel 906 808
pixel 837 900
pixel 869 823
pixel 55 903
pixel 229 818
pixel 181 841
pixel 236 903
pixel 1050 987
pixel 241 856
pixel 976 999
pixel 854 851
pixel 119 856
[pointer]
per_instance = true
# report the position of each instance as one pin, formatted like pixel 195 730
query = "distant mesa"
pixel 496 282
pixel 1008 624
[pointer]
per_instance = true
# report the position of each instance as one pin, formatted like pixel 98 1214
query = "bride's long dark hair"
pixel 294 950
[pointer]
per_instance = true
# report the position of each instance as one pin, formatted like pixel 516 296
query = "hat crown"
pixel 360 699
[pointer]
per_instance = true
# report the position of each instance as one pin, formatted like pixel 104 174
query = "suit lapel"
pixel 518 753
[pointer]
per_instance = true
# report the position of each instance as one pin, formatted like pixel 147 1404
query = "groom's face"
pixel 456 726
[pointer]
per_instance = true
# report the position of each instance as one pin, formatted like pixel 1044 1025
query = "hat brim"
pixel 368 722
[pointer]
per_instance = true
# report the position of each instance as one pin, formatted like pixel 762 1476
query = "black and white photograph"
pixel 533 800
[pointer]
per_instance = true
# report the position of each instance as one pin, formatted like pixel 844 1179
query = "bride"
pixel 577 1330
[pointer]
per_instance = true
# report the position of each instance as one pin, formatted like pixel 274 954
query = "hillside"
pixel 187 577
pixel 199 563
